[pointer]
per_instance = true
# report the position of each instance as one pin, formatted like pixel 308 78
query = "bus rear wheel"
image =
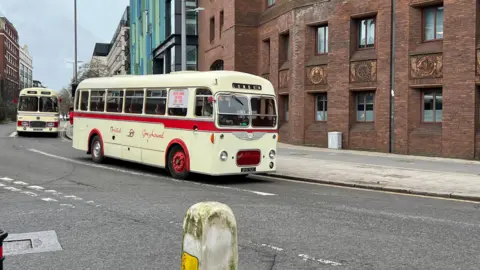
pixel 177 163
pixel 97 150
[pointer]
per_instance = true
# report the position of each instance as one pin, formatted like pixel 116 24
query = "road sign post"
pixel 209 238
pixel 3 236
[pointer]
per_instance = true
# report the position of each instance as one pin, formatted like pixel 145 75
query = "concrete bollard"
pixel 209 238
pixel 3 236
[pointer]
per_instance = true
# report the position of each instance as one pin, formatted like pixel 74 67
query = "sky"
pixel 47 28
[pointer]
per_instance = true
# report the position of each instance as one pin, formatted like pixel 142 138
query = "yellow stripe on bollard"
pixel 189 262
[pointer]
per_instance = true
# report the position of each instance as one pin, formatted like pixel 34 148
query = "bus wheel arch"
pixel 177 159
pixel 95 134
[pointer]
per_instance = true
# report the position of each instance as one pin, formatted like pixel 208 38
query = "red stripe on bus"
pixel 168 122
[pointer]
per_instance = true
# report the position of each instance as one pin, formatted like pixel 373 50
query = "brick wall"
pixel 449 64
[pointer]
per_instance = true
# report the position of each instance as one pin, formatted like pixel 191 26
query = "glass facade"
pixel 156 36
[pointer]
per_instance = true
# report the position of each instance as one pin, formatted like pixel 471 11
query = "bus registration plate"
pixel 38 129
pixel 253 169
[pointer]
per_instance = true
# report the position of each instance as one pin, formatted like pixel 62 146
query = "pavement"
pixel 121 215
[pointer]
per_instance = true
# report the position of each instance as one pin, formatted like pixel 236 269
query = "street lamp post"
pixel 75 69
pixel 184 32
pixel 75 30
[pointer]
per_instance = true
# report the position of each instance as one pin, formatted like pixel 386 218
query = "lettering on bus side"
pixel 115 130
pixel 152 134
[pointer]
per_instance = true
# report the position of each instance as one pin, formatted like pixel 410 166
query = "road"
pixel 125 216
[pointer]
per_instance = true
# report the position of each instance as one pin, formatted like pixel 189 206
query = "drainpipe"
pixel 392 79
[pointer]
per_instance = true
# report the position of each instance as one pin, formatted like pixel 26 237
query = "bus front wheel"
pixel 96 150
pixel 177 163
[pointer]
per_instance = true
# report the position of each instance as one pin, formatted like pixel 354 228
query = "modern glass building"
pixel 155 28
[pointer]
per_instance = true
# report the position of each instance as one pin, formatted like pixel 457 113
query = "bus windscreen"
pixel 28 104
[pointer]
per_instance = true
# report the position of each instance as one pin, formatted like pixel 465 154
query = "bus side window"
pixel 114 101
pixel 203 103
pixel 156 102
pixel 134 101
pixel 97 100
pixel 84 100
pixel 76 101
pixel 178 97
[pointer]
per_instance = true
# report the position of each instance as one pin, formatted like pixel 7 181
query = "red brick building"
pixel 331 63
pixel 9 61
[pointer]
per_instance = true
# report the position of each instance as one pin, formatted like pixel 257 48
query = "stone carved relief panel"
pixel 316 75
pixel 426 66
pixel 283 78
pixel 363 71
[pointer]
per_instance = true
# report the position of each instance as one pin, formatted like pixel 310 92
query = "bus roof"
pixel 215 80
pixel 38 91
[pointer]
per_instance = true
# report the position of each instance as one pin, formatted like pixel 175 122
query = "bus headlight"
pixel 223 155
pixel 272 154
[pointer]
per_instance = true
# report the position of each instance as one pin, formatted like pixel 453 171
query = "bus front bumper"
pixel 46 129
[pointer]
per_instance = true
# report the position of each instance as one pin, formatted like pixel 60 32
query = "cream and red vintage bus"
pixel 213 122
pixel 38 111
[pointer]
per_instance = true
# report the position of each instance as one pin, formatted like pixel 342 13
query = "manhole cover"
pixel 17 246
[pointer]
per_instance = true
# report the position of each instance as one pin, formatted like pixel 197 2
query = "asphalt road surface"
pixel 125 216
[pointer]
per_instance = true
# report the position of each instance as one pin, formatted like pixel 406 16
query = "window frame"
pixel 155 97
pixel 104 99
pixel 358 29
pixel 125 97
pixel 212 28
pixel 325 102
pixel 434 92
pixel 424 21
pixel 122 91
pixel 364 93
pixel 80 99
pixel 325 36
pixel 203 96
pixel 272 4
pixel 188 101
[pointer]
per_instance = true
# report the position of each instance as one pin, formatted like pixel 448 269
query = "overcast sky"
pixel 46 26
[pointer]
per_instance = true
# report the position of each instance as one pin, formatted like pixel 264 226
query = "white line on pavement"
pixel 6 179
pixel 328 262
pixel 12 189
pixel 14 134
pixel 36 188
pixel 67 205
pixel 49 200
pixel 143 174
pixel 29 193
pixel 20 183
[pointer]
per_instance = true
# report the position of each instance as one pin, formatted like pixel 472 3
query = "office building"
pixel 9 61
pixel 26 68
pixel 118 58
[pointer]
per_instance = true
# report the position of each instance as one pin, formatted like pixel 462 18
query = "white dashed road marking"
pixel 20 183
pixel 29 193
pixel 14 134
pixel 67 205
pixel 12 188
pixel 49 200
pixel 143 174
pixel 309 258
pixel 6 179
pixel 38 188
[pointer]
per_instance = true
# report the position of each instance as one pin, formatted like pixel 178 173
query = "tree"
pixel 95 68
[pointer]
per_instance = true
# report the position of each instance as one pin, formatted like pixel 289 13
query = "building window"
pixel 271 2
pixel 221 23
pixel 366 33
pixel 365 106
pixel 433 23
pixel 321 107
pixel 191 57
pixel 285 107
pixel 172 59
pixel 172 17
pixel 203 103
pixel 191 23
pixel 212 29
pixel 432 106
pixel 321 40
pixel 285 47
